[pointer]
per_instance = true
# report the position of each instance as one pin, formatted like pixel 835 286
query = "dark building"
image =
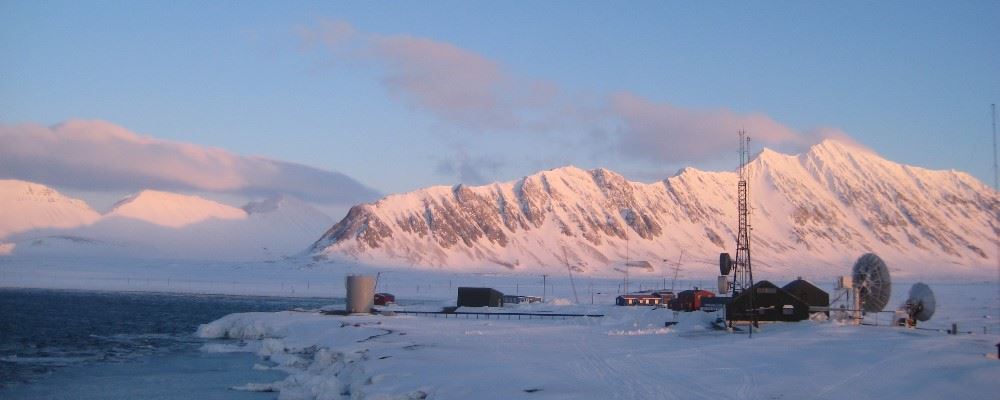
pixel 479 297
pixel 665 295
pixel 809 293
pixel 713 304
pixel 689 300
pixel 770 302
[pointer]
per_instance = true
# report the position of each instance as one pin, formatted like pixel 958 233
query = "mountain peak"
pixel 838 146
pixel 823 205
pixel 567 169
pixel 172 209
pixel 33 206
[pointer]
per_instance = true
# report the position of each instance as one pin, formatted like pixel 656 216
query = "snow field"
pixel 627 354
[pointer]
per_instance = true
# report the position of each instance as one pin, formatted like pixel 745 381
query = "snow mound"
pixel 241 326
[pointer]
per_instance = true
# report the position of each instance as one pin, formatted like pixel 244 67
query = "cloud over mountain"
pixel 479 94
pixel 99 155
pixel 662 131
pixel 456 85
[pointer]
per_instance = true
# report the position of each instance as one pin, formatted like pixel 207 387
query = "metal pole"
pixel 993 109
pixel 543 287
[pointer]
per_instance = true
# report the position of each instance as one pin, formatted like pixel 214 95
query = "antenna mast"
pixel 993 107
pixel 570 269
pixel 742 269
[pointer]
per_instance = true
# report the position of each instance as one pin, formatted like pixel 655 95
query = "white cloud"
pixel 478 94
pixel 99 155
pixel 661 131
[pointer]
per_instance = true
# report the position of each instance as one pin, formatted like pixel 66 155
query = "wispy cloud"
pixel 479 94
pixel 99 155
pixel 456 85
pixel 469 169
pixel 664 132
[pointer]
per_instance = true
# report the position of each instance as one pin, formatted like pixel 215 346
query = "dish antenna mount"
pixel 871 280
pixel 920 304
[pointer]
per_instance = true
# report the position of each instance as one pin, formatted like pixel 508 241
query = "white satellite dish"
pixel 871 279
pixel 920 304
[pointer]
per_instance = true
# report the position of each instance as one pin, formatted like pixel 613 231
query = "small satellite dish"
pixel 725 264
pixel 920 304
pixel 871 277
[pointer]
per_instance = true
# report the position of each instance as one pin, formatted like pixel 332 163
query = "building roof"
pixel 801 282
pixel 639 296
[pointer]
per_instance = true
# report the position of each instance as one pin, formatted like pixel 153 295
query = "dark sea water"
pixel 52 340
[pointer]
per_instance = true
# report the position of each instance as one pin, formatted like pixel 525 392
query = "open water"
pixel 89 344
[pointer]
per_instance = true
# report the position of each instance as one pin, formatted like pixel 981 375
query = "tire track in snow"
pixel 864 372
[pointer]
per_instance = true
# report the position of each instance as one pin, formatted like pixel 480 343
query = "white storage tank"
pixel 360 293
pixel 723 284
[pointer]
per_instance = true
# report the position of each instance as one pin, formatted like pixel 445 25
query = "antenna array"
pixel 742 269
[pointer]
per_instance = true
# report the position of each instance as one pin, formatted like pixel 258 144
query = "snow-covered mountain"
pixel 817 210
pixel 172 209
pixel 38 222
pixel 26 206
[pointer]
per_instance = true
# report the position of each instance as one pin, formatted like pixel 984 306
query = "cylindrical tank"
pixel 360 293
pixel 723 284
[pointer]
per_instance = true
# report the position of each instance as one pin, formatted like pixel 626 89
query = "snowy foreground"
pixel 626 354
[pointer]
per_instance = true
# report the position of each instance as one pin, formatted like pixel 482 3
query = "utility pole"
pixel 544 286
pixel 677 269
pixel 626 257
pixel 993 109
pixel 570 269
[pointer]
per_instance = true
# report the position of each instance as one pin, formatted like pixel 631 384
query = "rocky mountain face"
pixel 817 210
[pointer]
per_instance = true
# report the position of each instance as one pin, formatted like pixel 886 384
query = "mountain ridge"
pixel 823 207
pixel 154 224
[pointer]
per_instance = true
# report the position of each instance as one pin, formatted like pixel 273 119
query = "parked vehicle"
pixel 384 299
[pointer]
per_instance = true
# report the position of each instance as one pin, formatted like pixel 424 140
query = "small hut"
pixel 637 299
pixel 665 295
pixel 517 299
pixel 479 297
pixel 809 293
pixel 770 302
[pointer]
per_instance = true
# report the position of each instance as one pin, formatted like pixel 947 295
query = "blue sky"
pixel 587 83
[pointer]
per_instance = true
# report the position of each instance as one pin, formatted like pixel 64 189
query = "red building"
pixel 383 299
pixel 689 300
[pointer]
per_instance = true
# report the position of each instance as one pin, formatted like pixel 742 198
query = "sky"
pixel 341 102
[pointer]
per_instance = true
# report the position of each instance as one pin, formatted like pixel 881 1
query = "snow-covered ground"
pixel 626 354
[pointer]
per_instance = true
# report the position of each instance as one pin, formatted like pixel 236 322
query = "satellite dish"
pixel 920 304
pixel 725 263
pixel 871 277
